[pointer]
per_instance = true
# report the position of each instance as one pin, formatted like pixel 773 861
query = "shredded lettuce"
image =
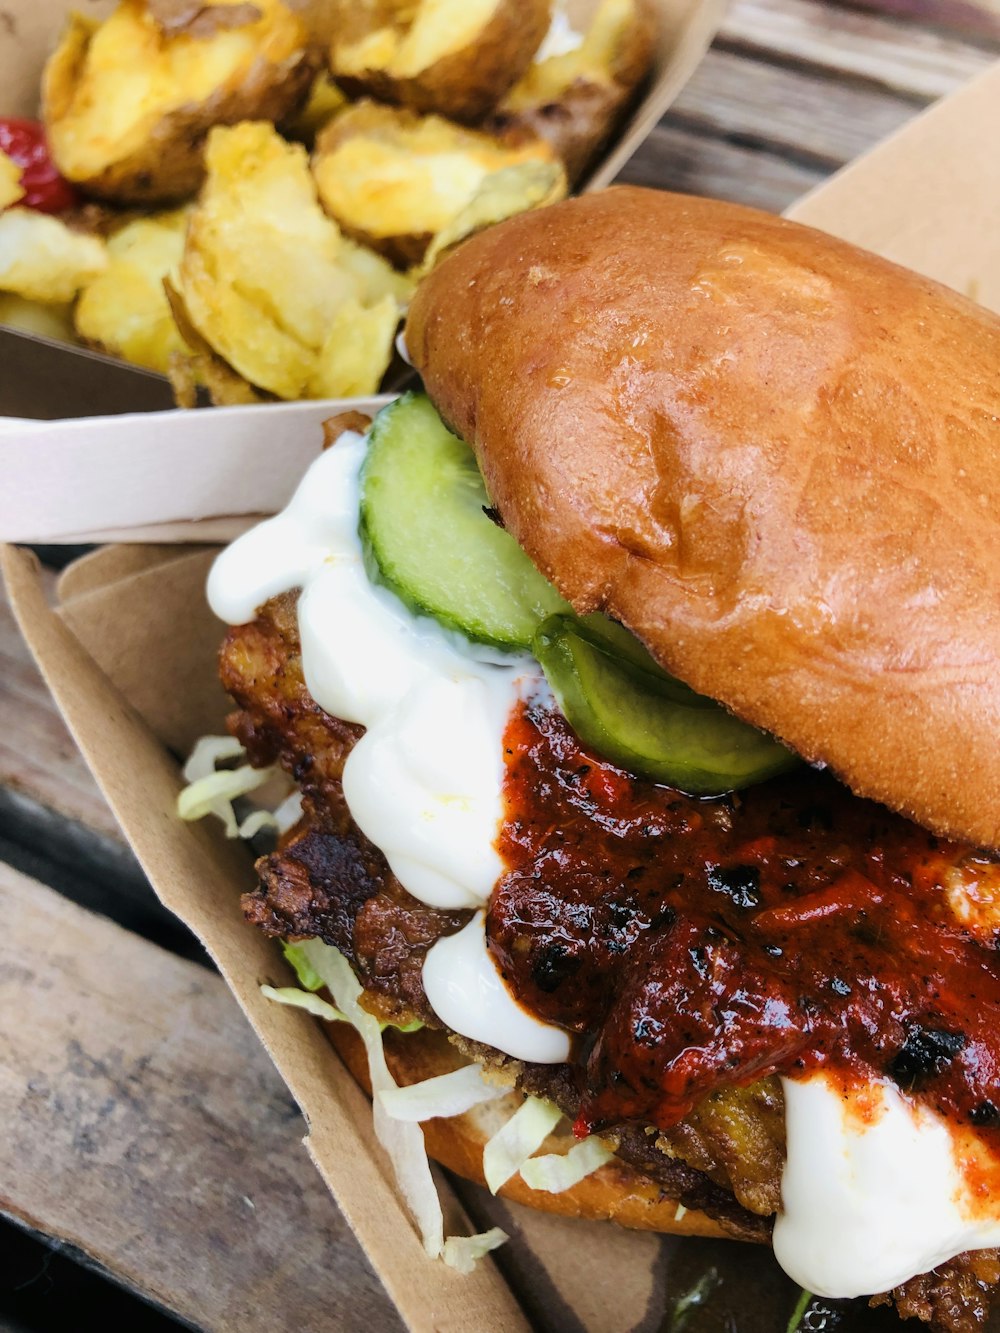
pixel 302 999
pixel 289 812
pixel 309 978
pixel 208 753
pixel 215 793
pixel 211 791
pixel 555 1172
pixel 255 822
pixel 403 1142
pixel 413 1026
pixel 523 1134
pixel 446 1095
pixel 463 1252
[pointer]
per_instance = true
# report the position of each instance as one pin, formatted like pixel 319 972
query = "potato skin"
pixel 410 135
pixel 269 282
pixel 465 85
pixel 770 454
pixel 168 167
pixel 580 121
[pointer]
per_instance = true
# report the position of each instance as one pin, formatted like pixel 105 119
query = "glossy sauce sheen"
pixel 792 929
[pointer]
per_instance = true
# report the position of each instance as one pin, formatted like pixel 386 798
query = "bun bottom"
pixel 616 1192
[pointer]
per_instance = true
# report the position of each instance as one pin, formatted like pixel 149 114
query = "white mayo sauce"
pixel 865 1206
pixel 869 1203
pixel 424 782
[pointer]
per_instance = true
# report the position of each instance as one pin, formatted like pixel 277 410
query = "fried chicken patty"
pixel 328 881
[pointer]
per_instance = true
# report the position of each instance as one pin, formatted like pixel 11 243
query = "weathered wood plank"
pixel 907 58
pixel 965 17
pixel 802 114
pixel 37 755
pixel 674 158
pixel 144 1124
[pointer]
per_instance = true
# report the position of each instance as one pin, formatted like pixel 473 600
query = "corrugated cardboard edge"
pixel 140 782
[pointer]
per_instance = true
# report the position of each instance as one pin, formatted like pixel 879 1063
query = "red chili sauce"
pixel 697 943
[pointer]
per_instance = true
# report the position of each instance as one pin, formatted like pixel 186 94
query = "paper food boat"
pixel 129 653
pixel 685 29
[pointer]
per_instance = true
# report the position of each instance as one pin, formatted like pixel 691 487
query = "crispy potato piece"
pixel 575 96
pixel 43 260
pixel 10 182
pixel 51 321
pixel 125 310
pixel 394 179
pixel 127 102
pixel 201 366
pixel 453 57
pixel 269 282
pixel 324 102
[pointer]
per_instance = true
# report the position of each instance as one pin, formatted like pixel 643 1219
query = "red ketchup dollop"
pixel 25 143
pixel 694 944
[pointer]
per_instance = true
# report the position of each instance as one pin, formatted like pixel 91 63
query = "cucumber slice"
pixel 426 536
pixel 617 641
pixel 643 721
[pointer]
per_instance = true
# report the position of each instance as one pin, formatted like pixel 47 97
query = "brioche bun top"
pixel 773 456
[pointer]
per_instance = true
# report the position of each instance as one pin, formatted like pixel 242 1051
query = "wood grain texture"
pixel 674 158
pixel 967 17
pixel 101 1150
pixel 38 758
pixel 911 59
pixel 144 1124
pixel 802 114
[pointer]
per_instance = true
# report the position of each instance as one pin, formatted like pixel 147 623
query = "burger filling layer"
pixel 662 947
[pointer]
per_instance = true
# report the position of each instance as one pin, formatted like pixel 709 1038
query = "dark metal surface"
pixel 45 379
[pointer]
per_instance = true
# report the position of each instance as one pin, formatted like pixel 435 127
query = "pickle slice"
pixel 427 537
pixel 645 721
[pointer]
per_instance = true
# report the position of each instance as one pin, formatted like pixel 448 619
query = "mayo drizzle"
pixel 468 994
pixel 868 1203
pixel 424 782
pixel 865 1205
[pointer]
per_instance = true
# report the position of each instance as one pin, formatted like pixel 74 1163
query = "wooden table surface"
pixel 151 1173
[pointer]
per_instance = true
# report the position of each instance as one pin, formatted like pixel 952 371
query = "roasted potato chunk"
pixel 453 57
pixel 125 310
pixel 325 101
pixel 579 85
pixel 51 321
pixel 44 260
pixel 11 189
pixel 127 102
pixel 270 283
pixel 394 180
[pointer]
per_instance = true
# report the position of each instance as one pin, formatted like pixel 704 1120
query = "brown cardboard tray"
pixel 129 655
pixel 686 28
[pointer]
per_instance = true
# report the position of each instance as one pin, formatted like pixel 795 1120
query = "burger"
pixel 641 682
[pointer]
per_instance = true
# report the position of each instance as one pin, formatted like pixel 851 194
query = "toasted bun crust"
pixel 770 454
pixel 615 1193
